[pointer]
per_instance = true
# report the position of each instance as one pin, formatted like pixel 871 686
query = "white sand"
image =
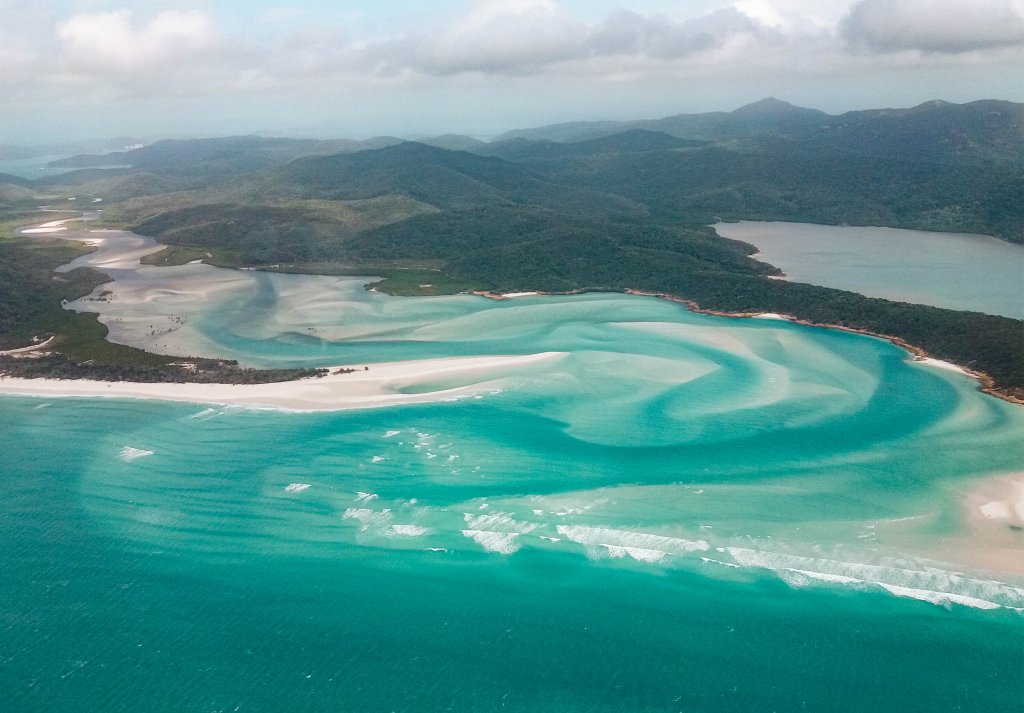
pixel 54 226
pixel 939 364
pixel 115 249
pixel 994 510
pixel 31 231
pixel 29 348
pixel 380 385
pixel 1008 505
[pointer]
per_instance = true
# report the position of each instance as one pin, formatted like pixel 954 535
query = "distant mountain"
pixel 438 177
pixel 333 146
pixel 937 166
pixel 454 142
pixel 936 130
pixel 629 141
pixel 238 152
pixel 14 190
pixel 8 179
pixel 606 205
pixel 773 108
pixel 232 153
pixel 766 115
pixel 982 131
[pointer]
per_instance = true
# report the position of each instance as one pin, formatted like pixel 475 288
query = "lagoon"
pixel 953 270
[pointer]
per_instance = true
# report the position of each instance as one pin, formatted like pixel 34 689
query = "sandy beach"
pixel 945 365
pixel 377 385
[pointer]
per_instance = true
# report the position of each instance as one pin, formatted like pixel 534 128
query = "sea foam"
pixel 928 584
pixel 368 518
pixel 501 542
pixel 641 546
pixel 496 531
pixel 129 454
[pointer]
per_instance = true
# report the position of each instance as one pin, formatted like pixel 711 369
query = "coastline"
pixel 341 389
pixel 987 383
pixel 133 254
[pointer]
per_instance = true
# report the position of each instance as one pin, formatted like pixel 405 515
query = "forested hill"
pixel 238 153
pixel 938 166
pixel 14 190
pixel 624 206
pixel 982 129
pixel 766 115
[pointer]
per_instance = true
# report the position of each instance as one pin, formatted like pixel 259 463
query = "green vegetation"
pixel 182 255
pixel 623 206
pixel 412 280
pixel 31 308
pixel 418 282
pixel 767 178
pixel 32 293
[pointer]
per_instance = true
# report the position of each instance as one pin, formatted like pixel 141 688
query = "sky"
pixel 82 69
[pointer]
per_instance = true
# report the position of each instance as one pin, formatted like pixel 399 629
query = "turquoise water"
pixel 953 270
pixel 682 513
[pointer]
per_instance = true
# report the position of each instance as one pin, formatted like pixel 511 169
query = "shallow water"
pixel 684 513
pixel 953 270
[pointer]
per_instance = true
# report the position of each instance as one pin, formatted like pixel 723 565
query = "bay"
pixel 681 513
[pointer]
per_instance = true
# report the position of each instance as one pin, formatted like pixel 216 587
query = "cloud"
pixel 111 41
pixel 522 37
pixel 627 33
pixel 936 26
pixel 149 51
pixel 500 36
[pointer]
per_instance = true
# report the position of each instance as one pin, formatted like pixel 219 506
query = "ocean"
pixel 680 513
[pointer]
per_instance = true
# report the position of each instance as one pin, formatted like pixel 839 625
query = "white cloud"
pixel 943 26
pixel 626 33
pixel 515 51
pixel 184 50
pixel 538 36
pixel 501 36
pixel 112 41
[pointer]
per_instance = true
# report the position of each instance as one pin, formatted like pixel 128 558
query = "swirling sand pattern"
pixel 659 426
pixel 678 513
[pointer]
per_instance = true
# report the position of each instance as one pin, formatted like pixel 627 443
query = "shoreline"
pixel 343 388
pixel 987 383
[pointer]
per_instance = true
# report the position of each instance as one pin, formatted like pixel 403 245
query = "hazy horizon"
pixel 79 71
pixel 412 135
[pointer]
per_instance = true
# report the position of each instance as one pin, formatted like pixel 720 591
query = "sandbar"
pixel 376 385
pixel 54 226
pixel 29 348
pixel 994 514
